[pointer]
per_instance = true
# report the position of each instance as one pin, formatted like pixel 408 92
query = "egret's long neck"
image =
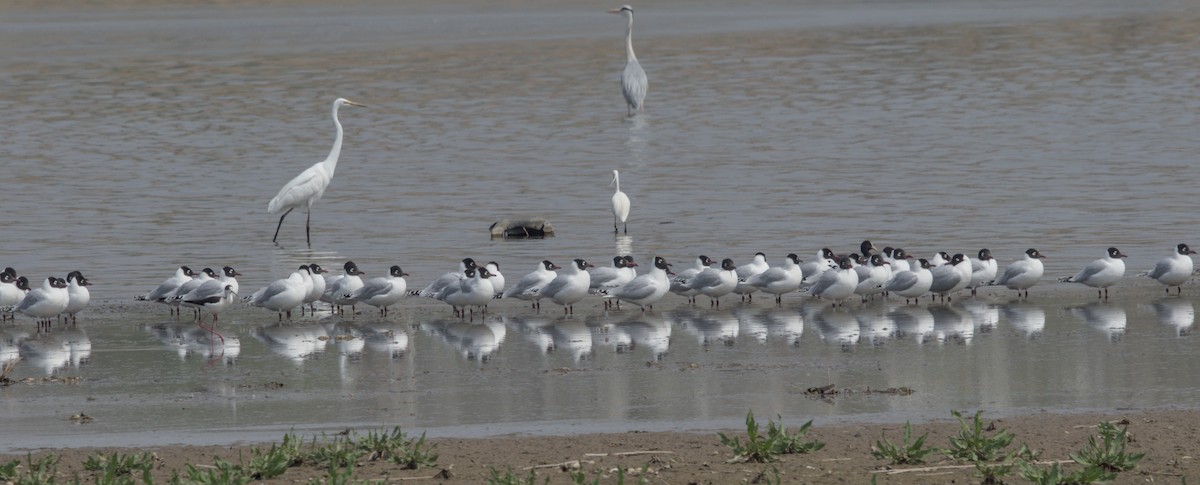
pixel 629 57
pixel 617 178
pixel 332 160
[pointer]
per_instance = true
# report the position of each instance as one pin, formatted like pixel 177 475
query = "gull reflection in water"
pixel 984 315
pixel 187 339
pixel 347 338
pixel 534 328
pixel 783 323
pixel 749 323
pixel 1105 317
pixel 875 325
pixel 10 344
pixel 708 326
pixel 571 336
pixel 54 351
pixel 952 324
pixel 607 333
pixel 837 325
pixel 386 337
pixel 295 341
pixel 1175 313
pixel 648 332
pixel 474 341
pixel 912 321
pixel 1024 316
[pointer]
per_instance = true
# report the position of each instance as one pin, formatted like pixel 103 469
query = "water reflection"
pixel 533 328
pixel 295 341
pixel 875 325
pixel 473 341
pixel 709 327
pixel 571 336
pixel 771 323
pixel 1176 313
pixel 1103 316
pixel 385 337
pixel 187 339
pixel 1024 316
pixel 650 332
pixel 912 321
pixel 837 325
pixel 53 351
pixel 984 315
pixel 952 324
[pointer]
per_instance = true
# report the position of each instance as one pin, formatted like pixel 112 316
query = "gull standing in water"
pixel 45 302
pixel 633 79
pixel 317 288
pixel 620 204
pixel 529 286
pixel 283 295
pixel 439 286
pixel 168 288
pixel 1174 270
pixel 836 284
pixel 1101 273
pixel 951 277
pixel 716 283
pixel 679 283
pixel 570 286
pixel 983 270
pixel 78 293
pixel 473 291
pixel 350 282
pixel 745 271
pixel 1023 273
pixel 646 289
pixel 384 291
pixel 11 293
pixel 310 185
pixel 780 280
pixel 912 283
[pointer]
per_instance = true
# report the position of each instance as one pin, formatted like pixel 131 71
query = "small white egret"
pixel 620 204
pixel 310 185
pixel 633 79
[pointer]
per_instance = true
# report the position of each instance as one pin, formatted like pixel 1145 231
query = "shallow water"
pixel 142 139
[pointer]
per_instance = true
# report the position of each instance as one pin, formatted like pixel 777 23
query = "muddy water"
pixel 141 139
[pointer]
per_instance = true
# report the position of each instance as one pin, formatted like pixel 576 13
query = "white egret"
pixel 633 79
pixel 620 204
pixel 310 185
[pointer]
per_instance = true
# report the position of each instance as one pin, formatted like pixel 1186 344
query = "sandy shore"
pixel 1167 437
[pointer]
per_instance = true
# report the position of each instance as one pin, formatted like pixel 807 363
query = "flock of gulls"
pixel 867 274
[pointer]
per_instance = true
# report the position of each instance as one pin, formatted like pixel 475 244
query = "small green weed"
pixel 1054 475
pixel 1110 454
pixel 907 452
pixel 762 449
pixel 9 471
pixel 415 454
pixel 973 445
pixel 117 464
pixel 223 472
pixel 509 478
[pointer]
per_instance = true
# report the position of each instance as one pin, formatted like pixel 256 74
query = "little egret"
pixel 633 79
pixel 310 185
pixel 620 204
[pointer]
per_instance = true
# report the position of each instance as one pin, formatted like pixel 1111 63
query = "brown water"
pixel 140 139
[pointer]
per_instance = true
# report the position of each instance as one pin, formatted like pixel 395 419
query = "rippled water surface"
pixel 139 139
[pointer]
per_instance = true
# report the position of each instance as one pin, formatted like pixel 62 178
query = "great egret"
pixel 310 185
pixel 633 79
pixel 620 204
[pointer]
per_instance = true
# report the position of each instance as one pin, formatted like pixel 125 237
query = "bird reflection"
pixel 984 315
pixel 474 341
pixel 837 325
pixel 648 331
pixel 186 339
pixel 54 351
pixel 749 323
pixel 1176 313
pixel 10 348
pixel 573 337
pixel 1102 316
pixel 951 323
pixel 534 329
pixel 912 321
pixel 295 341
pixel 385 336
pixel 1024 316
pixel 611 335
pixel 709 327
pixel 783 323
pixel 346 337
pixel 875 326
